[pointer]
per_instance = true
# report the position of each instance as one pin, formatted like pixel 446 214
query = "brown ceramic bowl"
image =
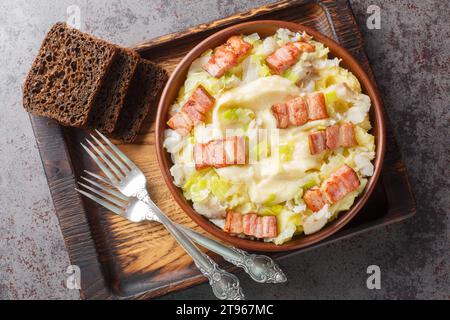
pixel 265 28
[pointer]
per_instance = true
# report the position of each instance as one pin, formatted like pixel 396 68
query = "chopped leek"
pixel 330 98
pixel 219 187
pixel 310 184
pixel 286 151
pixel 237 117
pixel 271 210
pixel 270 199
pixel 253 39
pixel 197 186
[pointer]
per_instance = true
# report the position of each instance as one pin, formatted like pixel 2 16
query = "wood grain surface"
pixel 121 259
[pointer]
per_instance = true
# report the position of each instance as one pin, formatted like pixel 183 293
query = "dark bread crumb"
pixel 142 95
pixel 66 75
pixel 111 96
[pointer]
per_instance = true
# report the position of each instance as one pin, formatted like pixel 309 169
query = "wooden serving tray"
pixel 121 259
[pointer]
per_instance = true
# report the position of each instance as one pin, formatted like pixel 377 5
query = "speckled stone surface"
pixel 410 58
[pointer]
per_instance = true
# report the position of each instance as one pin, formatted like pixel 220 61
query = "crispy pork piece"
pixel 227 56
pixel 317 108
pixel 314 199
pixel 332 136
pixel 297 111
pixel 337 186
pixel 349 177
pixel 347 135
pixel 283 58
pixel 236 223
pixel 181 122
pixel 280 112
pixel 233 222
pixel 251 224
pixel 228 218
pixel 222 60
pixel 201 99
pixel 334 189
pixel 270 228
pixel 286 56
pixel 259 229
pixel 199 103
pixel 317 142
pixel 201 156
pixel 248 221
pixel 239 46
pixel 340 183
pixel 239 154
pixel 220 153
pixel 192 112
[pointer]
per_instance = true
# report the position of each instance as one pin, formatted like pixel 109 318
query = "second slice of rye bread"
pixel 111 96
pixel 66 75
pixel 143 93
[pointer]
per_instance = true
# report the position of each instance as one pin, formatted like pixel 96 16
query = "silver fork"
pixel 131 182
pixel 261 268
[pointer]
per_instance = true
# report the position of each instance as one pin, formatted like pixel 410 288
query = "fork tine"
pixel 104 158
pixel 116 161
pixel 101 202
pixel 98 177
pixel 104 195
pixel 105 170
pixel 113 147
pixel 109 190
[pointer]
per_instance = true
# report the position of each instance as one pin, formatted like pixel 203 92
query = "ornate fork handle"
pixel 224 284
pixel 260 268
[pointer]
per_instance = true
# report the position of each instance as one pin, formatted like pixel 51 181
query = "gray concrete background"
pixel 410 57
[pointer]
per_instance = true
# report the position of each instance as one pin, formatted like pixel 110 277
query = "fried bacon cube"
pixel 181 122
pixel 317 142
pixel 220 152
pixel 347 135
pixel 314 199
pixel 280 112
pixel 227 56
pixel 192 112
pixel 285 57
pixel 299 110
pixel 251 224
pixel 340 183
pixel 317 109
pixel 333 137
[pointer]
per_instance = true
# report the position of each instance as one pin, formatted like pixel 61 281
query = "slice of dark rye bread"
pixel 66 75
pixel 111 96
pixel 143 93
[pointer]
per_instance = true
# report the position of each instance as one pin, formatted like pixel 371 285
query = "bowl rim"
pixel 377 120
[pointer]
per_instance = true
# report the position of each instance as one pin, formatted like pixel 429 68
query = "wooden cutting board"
pixel 120 259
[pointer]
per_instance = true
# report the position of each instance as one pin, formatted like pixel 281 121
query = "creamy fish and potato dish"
pixel 269 136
